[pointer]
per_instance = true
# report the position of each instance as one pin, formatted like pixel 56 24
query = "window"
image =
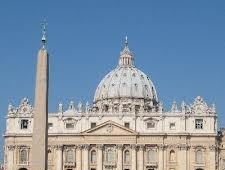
pixel 93 156
pixel 199 124
pixel 69 156
pixel 172 126
pixel 199 156
pixel 152 155
pixel 137 108
pixel 24 124
pixel 69 125
pixel 23 156
pixel 93 124
pixel 109 155
pixel 172 156
pixel 150 125
pixel 50 125
pixel 126 157
pixel 127 125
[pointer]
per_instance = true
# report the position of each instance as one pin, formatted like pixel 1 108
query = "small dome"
pixel 126 82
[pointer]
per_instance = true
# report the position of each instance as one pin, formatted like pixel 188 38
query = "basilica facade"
pixel 125 128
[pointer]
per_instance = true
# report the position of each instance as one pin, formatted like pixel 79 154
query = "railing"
pixel 23 162
pixel 70 164
pixel 110 164
pixel 152 164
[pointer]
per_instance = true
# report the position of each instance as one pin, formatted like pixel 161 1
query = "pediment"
pixel 109 128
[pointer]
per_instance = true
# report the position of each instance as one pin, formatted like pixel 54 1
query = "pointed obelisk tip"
pixel 44 31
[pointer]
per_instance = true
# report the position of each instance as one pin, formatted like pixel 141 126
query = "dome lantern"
pixel 126 56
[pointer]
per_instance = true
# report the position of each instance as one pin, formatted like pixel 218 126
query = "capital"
pixel 141 147
pixel 213 148
pixel 161 147
pixel 119 146
pixel 59 147
pixel 100 147
pixel 79 147
pixel 183 147
pixel 86 147
pixel 134 146
pixel 11 147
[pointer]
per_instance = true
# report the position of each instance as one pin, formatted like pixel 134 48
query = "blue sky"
pixel 179 44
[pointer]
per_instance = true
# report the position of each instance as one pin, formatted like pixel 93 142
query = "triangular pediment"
pixel 109 128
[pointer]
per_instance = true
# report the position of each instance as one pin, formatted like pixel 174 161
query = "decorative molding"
pixel 134 146
pixel 119 146
pixel 11 147
pixel 59 147
pixel 86 147
pixel 79 147
pixel 100 146
pixel 213 147
pixel 183 147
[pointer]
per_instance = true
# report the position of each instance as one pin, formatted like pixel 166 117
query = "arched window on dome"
pixel 126 157
pixel 23 157
pixel 172 156
pixel 93 157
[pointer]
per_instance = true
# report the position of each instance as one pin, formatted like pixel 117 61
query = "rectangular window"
pixel 24 124
pixel 127 125
pixel 150 125
pixel 50 125
pixel 172 126
pixel 93 124
pixel 198 123
pixel 69 125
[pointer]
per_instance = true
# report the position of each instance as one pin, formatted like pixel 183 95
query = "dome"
pixel 126 82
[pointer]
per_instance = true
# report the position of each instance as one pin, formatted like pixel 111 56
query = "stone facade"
pixel 128 131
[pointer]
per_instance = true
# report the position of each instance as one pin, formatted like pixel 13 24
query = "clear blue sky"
pixel 179 44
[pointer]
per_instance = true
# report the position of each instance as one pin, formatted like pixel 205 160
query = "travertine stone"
pixel 40 127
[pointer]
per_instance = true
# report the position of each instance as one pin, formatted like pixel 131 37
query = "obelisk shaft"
pixel 40 124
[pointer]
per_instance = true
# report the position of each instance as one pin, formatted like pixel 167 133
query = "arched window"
pixel 23 156
pixel 69 156
pixel 93 156
pixel 126 157
pixel 199 156
pixel 152 155
pixel 172 156
pixel 110 155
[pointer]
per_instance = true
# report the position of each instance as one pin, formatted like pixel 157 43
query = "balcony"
pixel 70 164
pixel 110 164
pixel 23 162
pixel 151 164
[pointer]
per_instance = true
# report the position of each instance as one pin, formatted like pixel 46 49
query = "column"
pixel 99 158
pixel 86 157
pixel 165 159
pixel 134 157
pixel 161 157
pixel 10 158
pixel 212 157
pixel 59 149
pixel 79 157
pixel 183 157
pixel 120 157
pixel 141 157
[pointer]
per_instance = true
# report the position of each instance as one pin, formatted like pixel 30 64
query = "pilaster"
pixel 86 148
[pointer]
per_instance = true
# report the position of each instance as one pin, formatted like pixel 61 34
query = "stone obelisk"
pixel 40 126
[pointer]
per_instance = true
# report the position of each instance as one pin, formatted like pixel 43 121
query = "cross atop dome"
pixel 126 56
